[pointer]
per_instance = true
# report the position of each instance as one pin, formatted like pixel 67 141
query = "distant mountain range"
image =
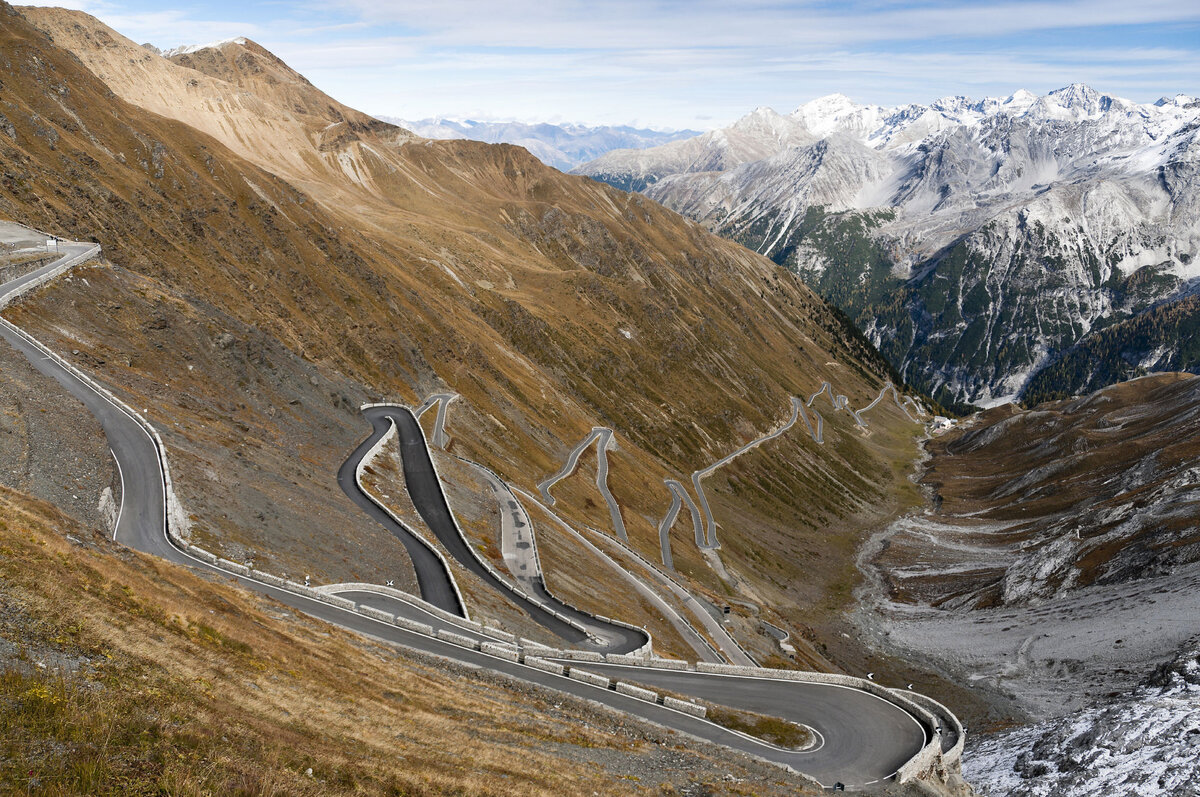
pixel 1026 245
pixel 562 146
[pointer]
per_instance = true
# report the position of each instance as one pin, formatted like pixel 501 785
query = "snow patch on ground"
pixel 1147 744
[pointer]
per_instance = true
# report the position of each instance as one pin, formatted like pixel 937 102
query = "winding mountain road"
pixel 865 738
pixel 602 436
pixel 425 489
pixel 433 577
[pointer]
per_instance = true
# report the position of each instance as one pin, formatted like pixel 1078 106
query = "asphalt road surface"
pixel 866 738
pixel 425 489
pixel 433 579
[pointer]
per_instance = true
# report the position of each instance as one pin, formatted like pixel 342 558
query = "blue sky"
pixel 694 63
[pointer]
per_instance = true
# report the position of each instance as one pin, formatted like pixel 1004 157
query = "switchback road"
pixel 865 738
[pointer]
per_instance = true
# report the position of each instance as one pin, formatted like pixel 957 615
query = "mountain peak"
pixel 1177 101
pixel 188 49
pixel 828 105
pixel 1076 95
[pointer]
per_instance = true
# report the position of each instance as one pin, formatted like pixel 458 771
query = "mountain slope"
pixel 238 93
pixel 122 674
pixel 255 317
pixel 974 242
pixel 563 146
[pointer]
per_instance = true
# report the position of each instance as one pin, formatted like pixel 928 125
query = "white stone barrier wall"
pixel 529 643
pixel 626 658
pixel 375 614
pixel 922 762
pixel 954 754
pixel 334 600
pixel 234 567
pixel 457 639
pixel 500 651
pixel 496 633
pixel 589 678
pixel 543 665
pixel 413 625
pixel 202 554
pixel 637 691
pixel 266 578
pixel 685 707
pixel 578 655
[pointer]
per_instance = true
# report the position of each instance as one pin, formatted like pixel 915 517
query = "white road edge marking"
pixel 121 508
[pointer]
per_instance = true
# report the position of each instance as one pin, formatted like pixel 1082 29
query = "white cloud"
pixel 696 64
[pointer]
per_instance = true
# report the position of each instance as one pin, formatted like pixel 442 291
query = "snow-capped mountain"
pixel 974 241
pixel 563 146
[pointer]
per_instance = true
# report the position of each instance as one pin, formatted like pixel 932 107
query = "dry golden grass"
pixel 160 681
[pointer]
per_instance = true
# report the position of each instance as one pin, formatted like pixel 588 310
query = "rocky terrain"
pixel 975 242
pixel 1145 742
pixel 563 146
pixel 1055 573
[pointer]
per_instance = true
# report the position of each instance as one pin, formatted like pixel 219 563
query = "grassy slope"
pixel 476 268
pixel 120 674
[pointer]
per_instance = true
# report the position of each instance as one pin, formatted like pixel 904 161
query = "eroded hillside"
pixel 1060 563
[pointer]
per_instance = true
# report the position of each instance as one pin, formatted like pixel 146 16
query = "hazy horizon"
pixel 695 65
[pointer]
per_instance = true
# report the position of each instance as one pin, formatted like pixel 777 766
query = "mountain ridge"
pixel 563 146
pixel 1074 188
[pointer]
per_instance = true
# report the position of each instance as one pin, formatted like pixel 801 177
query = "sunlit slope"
pixel 551 303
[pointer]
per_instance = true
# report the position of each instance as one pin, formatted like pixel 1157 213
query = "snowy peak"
pixel 1077 95
pixel 767 125
pixel 188 49
pixel 835 113
pixel 831 105
pixel 1076 102
pixel 1178 101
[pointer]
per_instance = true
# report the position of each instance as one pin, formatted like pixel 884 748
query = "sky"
pixel 673 64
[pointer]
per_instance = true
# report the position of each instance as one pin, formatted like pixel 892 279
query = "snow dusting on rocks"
pixel 1147 744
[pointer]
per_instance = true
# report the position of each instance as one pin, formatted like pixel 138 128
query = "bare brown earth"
pixel 550 303
pixel 1059 562
pixel 1098 490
